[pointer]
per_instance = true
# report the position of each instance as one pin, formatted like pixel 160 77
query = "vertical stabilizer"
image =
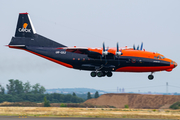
pixel 24 27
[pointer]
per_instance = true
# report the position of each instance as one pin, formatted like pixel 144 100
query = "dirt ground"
pixel 89 112
pixel 140 101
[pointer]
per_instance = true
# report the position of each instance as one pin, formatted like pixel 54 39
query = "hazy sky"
pixel 89 23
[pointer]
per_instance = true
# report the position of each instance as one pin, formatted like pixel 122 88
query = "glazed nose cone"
pixel 175 64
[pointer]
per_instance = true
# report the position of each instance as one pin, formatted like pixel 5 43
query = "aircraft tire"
pixel 99 74
pixel 150 77
pixel 109 74
pixel 93 74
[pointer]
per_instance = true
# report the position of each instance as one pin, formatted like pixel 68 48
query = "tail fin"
pixel 26 35
pixel 24 27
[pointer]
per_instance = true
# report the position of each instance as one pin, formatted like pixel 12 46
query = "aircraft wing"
pixel 91 52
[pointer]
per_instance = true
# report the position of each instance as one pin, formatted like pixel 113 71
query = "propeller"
pixel 141 48
pixel 118 53
pixel 105 51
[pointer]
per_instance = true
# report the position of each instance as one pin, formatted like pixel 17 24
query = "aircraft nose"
pixel 175 64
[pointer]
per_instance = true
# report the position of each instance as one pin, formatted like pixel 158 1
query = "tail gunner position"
pixel 100 61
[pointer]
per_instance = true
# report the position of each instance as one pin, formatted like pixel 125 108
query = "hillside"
pixel 135 100
pixel 76 90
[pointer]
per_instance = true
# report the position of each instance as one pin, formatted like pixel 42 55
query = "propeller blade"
pixel 134 47
pixel 104 52
pixel 117 47
pixel 138 47
pixel 118 53
pixel 103 47
pixel 141 46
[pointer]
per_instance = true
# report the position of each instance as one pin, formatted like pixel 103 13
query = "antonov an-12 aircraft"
pixel 100 61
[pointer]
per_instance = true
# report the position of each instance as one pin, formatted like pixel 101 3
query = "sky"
pixel 89 23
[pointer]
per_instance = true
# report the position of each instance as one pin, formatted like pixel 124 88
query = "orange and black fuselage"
pixel 130 61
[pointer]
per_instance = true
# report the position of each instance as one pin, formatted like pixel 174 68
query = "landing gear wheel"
pixel 99 74
pixel 93 74
pixel 150 77
pixel 109 74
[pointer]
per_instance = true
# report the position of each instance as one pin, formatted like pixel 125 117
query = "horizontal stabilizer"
pixel 16 46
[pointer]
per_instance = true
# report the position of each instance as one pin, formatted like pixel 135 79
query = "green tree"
pixel 126 106
pixel 35 88
pixel 96 94
pixel 11 87
pixel 27 87
pixel 176 105
pixel 74 94
pixel 2 90
pixel 89 95
pixel 14 87
pixel 18 87
pixel 63 105
pixel 42 90
pixel 46 102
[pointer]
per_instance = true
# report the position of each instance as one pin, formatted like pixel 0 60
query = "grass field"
pixel 90 112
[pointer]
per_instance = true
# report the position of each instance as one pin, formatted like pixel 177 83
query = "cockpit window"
pixel 162 57
pixel 159 57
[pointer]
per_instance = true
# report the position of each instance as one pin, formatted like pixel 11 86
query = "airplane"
pixel 100 61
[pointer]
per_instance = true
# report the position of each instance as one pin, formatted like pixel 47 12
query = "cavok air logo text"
pixel 24 29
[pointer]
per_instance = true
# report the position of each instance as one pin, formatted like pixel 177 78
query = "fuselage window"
pixel 73 58
pixel 159 57
pixel 162 57
pixel 78 58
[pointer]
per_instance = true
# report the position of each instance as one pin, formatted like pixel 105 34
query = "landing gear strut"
pixel 101 74
pixel 150 77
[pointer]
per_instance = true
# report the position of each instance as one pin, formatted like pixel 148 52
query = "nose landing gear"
pixel 150 77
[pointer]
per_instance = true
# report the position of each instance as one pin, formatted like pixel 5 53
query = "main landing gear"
pixel 101 74
pixel 150 77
